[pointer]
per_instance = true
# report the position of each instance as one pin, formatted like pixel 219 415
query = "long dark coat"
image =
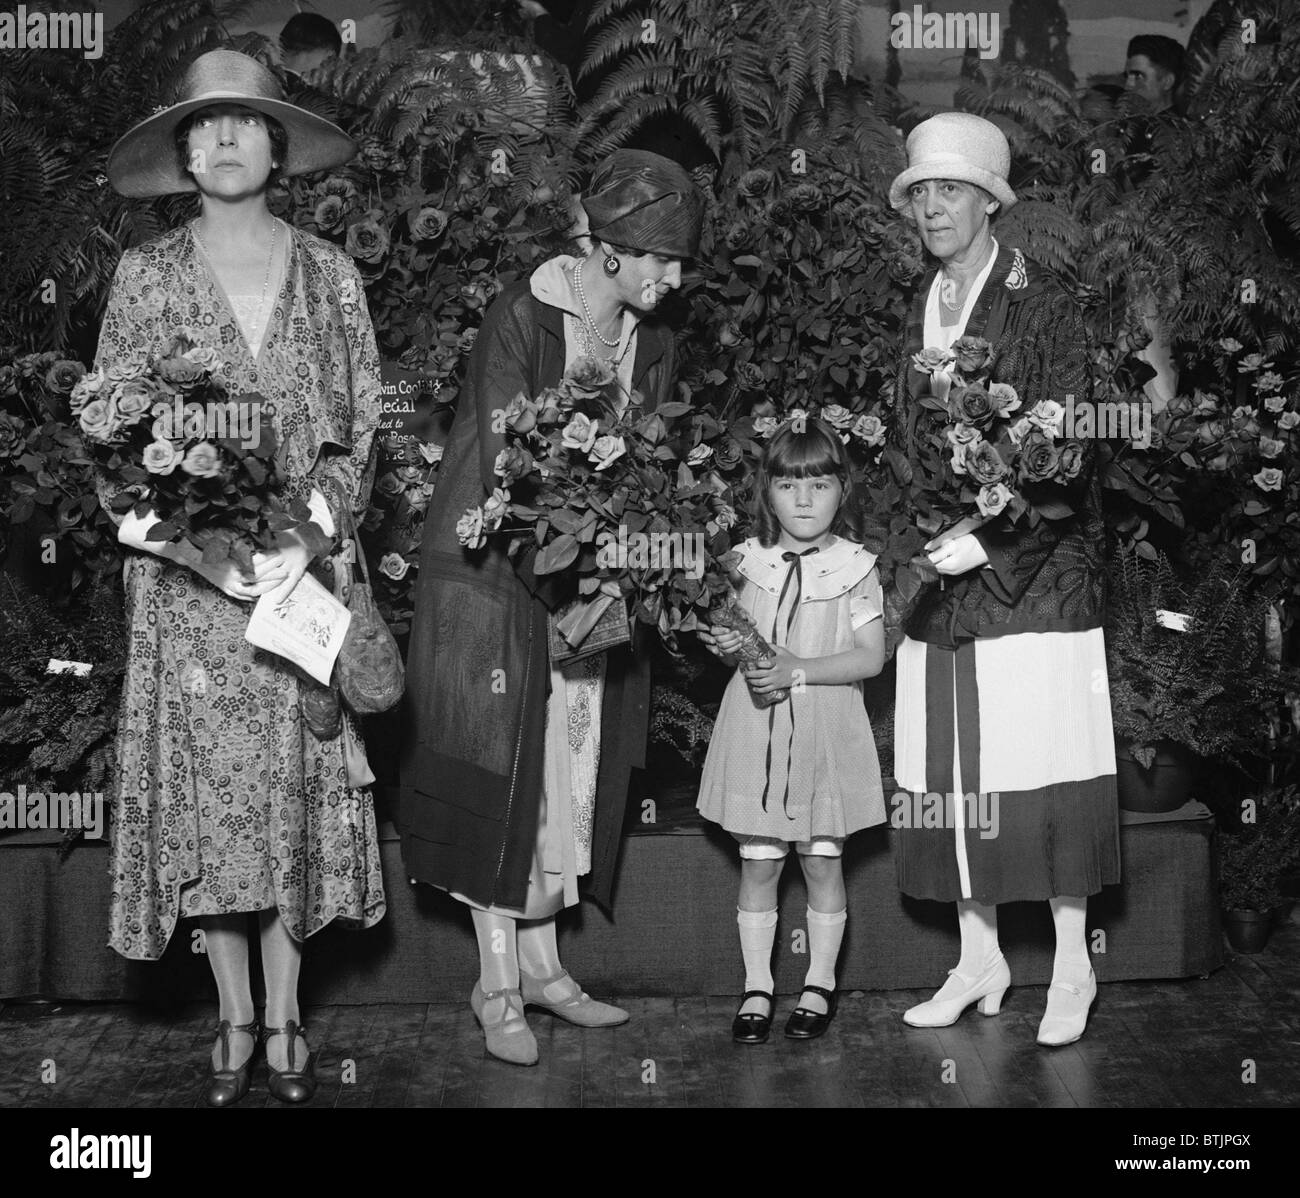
pixel 1049 578
pixel 478 668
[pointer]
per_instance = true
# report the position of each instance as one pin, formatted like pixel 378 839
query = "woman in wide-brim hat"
pixel 998 700
pixel 515 769
pixel 240 789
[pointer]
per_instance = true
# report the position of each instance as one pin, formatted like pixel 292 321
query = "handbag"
pixel 369 669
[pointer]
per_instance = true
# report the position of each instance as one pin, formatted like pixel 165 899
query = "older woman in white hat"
pixel 1001 676
pixel 239 789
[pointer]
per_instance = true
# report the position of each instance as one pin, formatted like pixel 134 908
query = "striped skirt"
pixel 1005 760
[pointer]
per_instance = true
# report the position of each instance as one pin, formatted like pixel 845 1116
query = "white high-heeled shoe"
pixel 1067 1012
pixel 958 992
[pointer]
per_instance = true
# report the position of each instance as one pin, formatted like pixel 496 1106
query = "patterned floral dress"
pixel 224 800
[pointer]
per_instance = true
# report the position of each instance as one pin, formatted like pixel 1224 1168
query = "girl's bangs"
pixel 804 455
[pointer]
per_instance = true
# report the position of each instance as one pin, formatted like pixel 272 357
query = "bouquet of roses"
pixel 167 436
pixel 633 507
pixel 989 449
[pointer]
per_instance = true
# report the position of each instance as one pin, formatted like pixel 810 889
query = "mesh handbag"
pixel 369 669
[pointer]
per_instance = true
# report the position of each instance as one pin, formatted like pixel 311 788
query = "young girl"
pixel 802 771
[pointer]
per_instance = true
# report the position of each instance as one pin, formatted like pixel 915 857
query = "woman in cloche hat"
pixel 997 698
pixel 516 767
pixel 239 790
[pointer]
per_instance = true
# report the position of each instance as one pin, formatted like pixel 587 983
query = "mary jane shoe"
pixel 946 1008
pixel 1067 1012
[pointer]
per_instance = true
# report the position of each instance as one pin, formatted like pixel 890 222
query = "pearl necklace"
pixel 582 296
pixel 266 278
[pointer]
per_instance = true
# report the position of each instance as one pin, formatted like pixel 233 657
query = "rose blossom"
pixel 1070 460
pixel 1269 381
pixel 63 375
pixel 929 360
pixel 765 426
pixel 329 213
pixel 984 464
pixel 367 240
pixel 607 450
pixel 86 387
pixel 180 371
pixel 699 455
pixel 991 500
pixel 728 455
pixel 972 354
pixel 134 400
pixel 394 566
pixel 8 382
pixel 431 453
pixel 521 414
pixel 971 405
pixel 588 377
pixel 1269 479
pixel 202 461
pixel 429 224
pixel 580 433
pixel 1275 403
pixel 96 419
pixel 725 516
pixel 495 508
pixel 749 375
pixel 1038 458
pixel 13 435
pixel 737 235
pixel 837 416
pixel 469 528
pixel 1004 398
pixel 869 429
pixel 1252 362
pixel 1020 429
pixel 512 463
pixel 389 484
pixel 1269 448
pixel 1288 420
pixel 806 197
pixel 1229 345
pixel 754 183
pixel 160 457
pixel 1048 415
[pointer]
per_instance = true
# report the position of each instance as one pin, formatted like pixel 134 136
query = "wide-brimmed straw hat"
pixel 144 161
pixel 956 145
pixel 645 202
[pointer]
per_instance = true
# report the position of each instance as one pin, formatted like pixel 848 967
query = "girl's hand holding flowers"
pixel 279 572
pixel 778 675
pixel 721 642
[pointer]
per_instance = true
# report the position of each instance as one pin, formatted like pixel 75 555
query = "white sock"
pixel 1071 963
pixel 979 937
pixel 825 935
pixel 757 936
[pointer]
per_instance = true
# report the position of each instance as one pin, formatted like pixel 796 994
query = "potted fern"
pixel 1252 864
pixel 1189 676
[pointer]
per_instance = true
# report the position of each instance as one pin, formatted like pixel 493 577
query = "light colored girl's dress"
pixel 805 768
pixel 224 801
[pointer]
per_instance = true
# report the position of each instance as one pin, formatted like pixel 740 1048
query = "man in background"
pixel 1153 70
pixel 306 41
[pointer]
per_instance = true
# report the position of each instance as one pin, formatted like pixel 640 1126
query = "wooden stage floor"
pixel 1149 1044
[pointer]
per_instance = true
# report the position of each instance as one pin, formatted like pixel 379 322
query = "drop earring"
pixel 611 266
